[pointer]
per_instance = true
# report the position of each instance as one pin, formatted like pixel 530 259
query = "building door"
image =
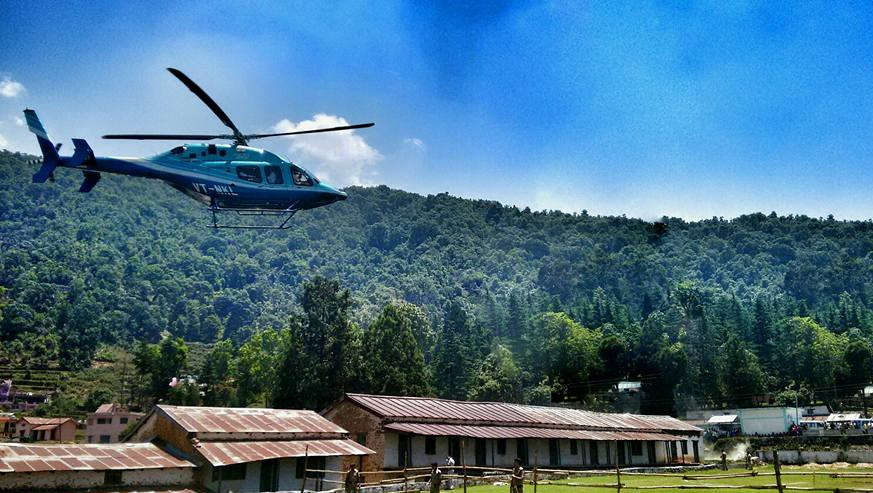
pixel 269 475
pixel 592 451
pixel 673 453
pixel 521 449
pixel 696 451
pixel 621 453
pixel 480 452
pixel 554 452
pixel 403 451
pixel 650 446
pixel 455 449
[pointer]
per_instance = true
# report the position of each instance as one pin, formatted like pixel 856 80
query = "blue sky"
pixel 689 109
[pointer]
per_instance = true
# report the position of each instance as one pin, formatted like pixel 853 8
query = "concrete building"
pixel 93 468
pixel 106 423
pixel 246 449
pixel 772 420
pixel 34 429
pixel 415 431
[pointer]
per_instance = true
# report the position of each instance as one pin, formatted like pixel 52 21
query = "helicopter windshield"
pixel 301 177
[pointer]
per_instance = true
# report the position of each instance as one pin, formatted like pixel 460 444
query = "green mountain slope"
pixel 133 258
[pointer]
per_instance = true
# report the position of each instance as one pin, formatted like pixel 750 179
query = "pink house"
pixel 106 423
pixel 46 429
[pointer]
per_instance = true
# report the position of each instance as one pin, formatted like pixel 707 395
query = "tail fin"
pixel 50 158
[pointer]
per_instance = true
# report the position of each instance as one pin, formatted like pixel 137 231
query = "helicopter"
pixel 227 178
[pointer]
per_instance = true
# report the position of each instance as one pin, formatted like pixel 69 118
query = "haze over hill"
pixel 132 259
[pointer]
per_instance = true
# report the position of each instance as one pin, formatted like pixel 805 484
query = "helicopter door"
pixel 273 175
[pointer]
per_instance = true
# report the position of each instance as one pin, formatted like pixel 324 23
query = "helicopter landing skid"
pixel 287 214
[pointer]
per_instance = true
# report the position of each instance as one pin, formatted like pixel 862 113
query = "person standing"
pixel 516 482
pixel 450 469
pixel 436 478
pixel 352 479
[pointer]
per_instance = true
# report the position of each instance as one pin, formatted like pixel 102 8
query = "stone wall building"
pixel 246 449
pixel 415 431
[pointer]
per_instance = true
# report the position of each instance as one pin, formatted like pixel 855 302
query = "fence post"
pixel 305 468
pixel 777 469
pixel 464 464
pixel 617 469
pixel 536 457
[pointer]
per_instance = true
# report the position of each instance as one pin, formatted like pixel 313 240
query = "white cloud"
pixel 19 121
pixel 3 142
pixel 10 88
pixel 342 158
pixel 415 142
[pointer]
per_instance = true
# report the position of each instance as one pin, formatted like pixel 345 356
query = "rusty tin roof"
pixel 226 453
pixel 523 432
pixel 98 457
pixel 248 420
pixel 443 411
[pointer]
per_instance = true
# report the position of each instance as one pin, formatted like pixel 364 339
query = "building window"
pixel 233 472
pixel 636 448
pixel 105 438
pixel 574 447
pixel 429 445
pixel 104 421
pixel 501 446
pixel 112 477
pixel 362 438
pixel 311 463
pixel 90 438
pixel 123 421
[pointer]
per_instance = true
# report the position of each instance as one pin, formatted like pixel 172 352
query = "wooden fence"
pixel 409 476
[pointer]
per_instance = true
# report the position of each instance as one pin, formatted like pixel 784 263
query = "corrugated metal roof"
pixel 248 420
pixel 45 421
pixel 724 419
pixel 98 457
pixel 523 432
pixel 469 412
pixel 105 408
pixel 226 453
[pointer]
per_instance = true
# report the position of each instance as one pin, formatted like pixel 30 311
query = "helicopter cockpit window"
pixel 300 177
pixel 249 173
pixel 177 150
pixel 274 175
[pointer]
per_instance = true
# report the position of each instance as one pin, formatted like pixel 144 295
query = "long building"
pixel 415 431
pixel 247 449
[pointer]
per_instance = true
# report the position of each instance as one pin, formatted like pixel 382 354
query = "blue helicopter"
pixel 231 178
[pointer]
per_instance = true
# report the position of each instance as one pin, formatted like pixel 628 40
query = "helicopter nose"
pixel 341 195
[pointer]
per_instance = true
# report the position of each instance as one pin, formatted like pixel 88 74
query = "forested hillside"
pixel 497 302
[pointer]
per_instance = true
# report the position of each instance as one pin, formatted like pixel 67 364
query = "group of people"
pixel 516 481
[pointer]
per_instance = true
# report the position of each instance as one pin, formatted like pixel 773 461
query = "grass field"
pixel 821 481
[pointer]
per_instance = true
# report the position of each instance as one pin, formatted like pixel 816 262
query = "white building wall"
pixel 288 480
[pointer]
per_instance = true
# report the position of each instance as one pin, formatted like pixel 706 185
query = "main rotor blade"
pixel 190 84
pixel 317 130
pixel 189 137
